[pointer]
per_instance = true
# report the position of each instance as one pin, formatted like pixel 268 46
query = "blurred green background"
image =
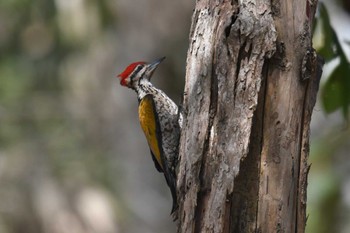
pixel 72 155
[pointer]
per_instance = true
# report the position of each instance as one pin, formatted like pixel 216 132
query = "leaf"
pixel 335 93
pixel 327 50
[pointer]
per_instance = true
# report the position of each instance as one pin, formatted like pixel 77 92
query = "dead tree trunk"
pixel 250 89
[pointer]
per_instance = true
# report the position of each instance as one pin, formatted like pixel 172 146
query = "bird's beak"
pixel 152 67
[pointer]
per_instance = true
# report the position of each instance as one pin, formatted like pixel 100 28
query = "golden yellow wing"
pixel 150 126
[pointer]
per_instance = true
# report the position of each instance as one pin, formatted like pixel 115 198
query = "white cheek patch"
pixel 137 74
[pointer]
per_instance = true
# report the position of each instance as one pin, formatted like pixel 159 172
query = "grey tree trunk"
pixel 251 84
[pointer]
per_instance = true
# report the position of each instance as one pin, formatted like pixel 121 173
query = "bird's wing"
pixel 156 164
pixel 150 126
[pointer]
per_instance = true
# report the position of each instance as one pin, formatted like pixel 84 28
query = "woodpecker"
pixel 159 117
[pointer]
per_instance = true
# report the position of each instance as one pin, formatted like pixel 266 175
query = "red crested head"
pixel 137 71
pixel 128 70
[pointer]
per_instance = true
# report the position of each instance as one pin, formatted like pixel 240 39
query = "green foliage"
pixel 327 50
pixel 335 92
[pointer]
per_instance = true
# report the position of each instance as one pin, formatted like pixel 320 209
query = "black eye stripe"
pixel 134 73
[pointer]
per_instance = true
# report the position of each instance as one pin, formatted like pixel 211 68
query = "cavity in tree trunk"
pixel 251 84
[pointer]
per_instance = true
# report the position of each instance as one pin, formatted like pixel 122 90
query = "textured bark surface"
pixel 250 89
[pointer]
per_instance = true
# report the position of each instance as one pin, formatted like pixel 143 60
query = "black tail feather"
pixel 171 181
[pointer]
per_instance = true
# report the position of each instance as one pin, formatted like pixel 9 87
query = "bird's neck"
pixel 144 87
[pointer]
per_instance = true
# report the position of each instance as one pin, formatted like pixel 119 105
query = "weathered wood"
pixel 246 117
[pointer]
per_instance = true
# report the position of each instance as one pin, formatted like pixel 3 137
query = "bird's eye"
pixel 135 72
pixel 138 68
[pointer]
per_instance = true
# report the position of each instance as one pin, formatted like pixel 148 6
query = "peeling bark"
pixel 249 94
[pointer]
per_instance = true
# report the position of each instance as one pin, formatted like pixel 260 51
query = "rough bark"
pixel 250 89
